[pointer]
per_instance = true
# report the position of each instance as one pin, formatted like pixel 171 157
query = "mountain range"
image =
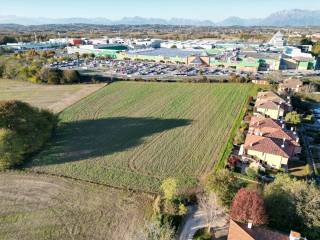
pixel 294 18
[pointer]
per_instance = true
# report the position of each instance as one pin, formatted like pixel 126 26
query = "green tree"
pixel 169 189
pixel 293 118
pixel 306 41
pixel 224 185
pixel 294 204
pixel 316 48
pixel 7 39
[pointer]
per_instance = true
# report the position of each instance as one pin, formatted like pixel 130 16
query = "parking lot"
pixel 149 69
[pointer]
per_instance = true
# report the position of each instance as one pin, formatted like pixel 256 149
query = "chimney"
pixel 284 141
pixel 297 140
pixel 292 129
pixel 294 235
pixel 250 224
pixel 283 126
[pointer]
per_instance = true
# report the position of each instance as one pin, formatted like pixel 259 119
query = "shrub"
pixel 70 76
pixel 24 130
pixel 251 173
pixel 10 149
pixel 169 189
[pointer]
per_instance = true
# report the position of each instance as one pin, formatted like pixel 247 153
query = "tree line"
pixel 30 66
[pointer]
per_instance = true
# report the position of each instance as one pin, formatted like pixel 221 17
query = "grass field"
pixel 53 97
pixel 134 135
pixel 40 207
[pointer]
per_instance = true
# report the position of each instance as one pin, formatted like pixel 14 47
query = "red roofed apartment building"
pixel 269 142
pixel 239 231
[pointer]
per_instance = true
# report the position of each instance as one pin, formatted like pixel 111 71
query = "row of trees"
pixel 28 66
pixel 23 131
pixel 286 204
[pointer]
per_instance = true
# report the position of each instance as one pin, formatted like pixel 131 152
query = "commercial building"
pixel 97 50
pixel 293 58
pixel 278 40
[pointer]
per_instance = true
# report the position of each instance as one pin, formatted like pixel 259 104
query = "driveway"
pixel 196 219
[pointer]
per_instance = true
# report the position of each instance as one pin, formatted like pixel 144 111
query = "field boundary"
pixel 74 98
pixel 87 181
pixel 229 145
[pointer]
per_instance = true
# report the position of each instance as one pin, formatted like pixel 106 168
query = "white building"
pixel 296 53
pixel 278 40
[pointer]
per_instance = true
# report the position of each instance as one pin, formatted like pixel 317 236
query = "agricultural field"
pixel 42 207
pixel 134 135
pixel 52 97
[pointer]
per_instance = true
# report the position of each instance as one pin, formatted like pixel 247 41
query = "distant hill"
pixel 295 17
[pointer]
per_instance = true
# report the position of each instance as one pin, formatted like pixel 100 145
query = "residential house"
pixel 269 142
pixel 291 85
pixel 240 231
pixel 272 105
pixel 260 82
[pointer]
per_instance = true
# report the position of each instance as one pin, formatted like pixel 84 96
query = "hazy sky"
pixel 116 9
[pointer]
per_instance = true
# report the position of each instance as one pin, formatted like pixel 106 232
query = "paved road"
pixel 195 221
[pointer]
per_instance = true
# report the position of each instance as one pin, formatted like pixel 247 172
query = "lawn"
pixel 42 207
pixel 134 135
pixel 53 97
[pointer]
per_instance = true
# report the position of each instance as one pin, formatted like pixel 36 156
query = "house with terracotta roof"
pixel 240 231
pixel 269 142
pixel 271 105
pixel 271 128
pixel 291 85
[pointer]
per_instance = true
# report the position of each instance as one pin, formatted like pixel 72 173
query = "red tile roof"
pixel 269 145
pixel 268 127
pixel 239 231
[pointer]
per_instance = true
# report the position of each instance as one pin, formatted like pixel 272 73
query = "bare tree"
pixel 213 213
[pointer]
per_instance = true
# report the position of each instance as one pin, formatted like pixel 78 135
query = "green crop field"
pixel 134 135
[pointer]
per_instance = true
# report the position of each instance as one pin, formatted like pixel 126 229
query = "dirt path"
pixel 72 99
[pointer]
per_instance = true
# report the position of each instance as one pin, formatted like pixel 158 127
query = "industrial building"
pixel 294 58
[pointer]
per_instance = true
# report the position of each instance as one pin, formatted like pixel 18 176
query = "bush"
pixel 251 173
pixel 202 234
pixel 24 130
pixel 10 149
pixel 70 76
